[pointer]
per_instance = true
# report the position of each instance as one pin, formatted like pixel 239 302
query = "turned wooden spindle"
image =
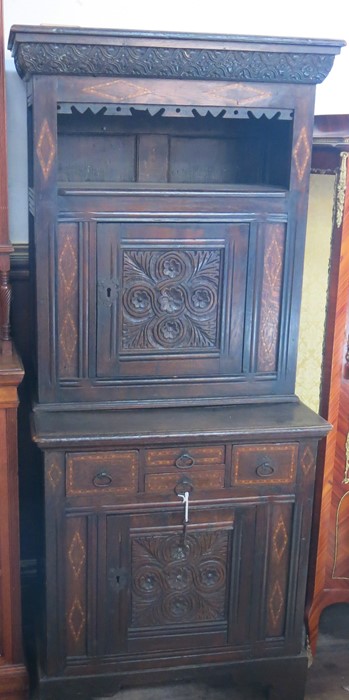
pixel 5 302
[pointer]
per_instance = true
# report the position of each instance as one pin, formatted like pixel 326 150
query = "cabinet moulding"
pixel 193 58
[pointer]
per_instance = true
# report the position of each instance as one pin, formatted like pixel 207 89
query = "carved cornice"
pixel 160 59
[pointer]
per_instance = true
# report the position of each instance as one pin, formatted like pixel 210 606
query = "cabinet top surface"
pixel 49 50
pixel 107 426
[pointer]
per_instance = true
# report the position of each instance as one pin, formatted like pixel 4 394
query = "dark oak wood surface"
pixel 284 419
pixel 167 196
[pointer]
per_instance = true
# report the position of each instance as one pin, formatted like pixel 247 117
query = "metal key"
pixel 185 501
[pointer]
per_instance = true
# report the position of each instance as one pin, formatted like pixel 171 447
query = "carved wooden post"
pixel 5 299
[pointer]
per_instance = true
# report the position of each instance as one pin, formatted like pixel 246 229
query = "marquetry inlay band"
pixel 76 619
pixel 54 474
pixel 77 554
pixel 301 153
pixel 276 602
pixel 307 460
pixel 46 149
pixel 280 539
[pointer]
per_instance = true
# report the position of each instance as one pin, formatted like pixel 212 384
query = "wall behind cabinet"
pixel 315 287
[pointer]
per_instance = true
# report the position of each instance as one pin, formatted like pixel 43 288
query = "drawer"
pixel 100 472
pixel 198 481
pixel 264 464
pixel 184 458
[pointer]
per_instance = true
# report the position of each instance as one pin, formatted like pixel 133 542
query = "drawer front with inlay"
pixel 197 481
pixel 264 464
pixel 177 469
pixel 101 472
pixel 184 457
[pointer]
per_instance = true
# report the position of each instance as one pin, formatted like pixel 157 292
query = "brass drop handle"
pixel 102 479
pixel 265 469
pixel 183 485
pixel 185 461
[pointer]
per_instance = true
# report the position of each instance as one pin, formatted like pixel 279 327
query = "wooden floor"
pixel 328 676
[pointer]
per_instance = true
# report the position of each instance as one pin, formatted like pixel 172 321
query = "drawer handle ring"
pixel 265 469
pixel 102 479
pixel 183 485
pixel 185 461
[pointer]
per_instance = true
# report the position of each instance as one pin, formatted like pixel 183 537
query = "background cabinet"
pixel 330 558
pixel 13 677
pixel 168 196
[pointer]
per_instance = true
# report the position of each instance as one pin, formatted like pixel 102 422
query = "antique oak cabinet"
pixel 168 179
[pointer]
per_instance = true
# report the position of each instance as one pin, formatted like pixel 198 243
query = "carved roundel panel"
pixel 171 299
pixel 176 582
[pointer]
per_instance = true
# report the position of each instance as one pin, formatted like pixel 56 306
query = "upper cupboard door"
pixel 170 299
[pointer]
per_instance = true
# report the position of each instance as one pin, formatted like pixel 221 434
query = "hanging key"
pixel 185 501
pixel 183 489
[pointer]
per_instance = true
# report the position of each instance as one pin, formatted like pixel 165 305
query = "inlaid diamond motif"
pixel 280 538
pixel 302 153
pixel 251 95
pixel 54 474
pixel 125 90
pixel 307 461
pixel 276 603
pixel 273 262
pixel 77 554
pixel 46 149
pixel 67 264
pixel 68 337
pixel 76 619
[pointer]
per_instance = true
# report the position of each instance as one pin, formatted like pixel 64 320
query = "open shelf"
pixel 144 150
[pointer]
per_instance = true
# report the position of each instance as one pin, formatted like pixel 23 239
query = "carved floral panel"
pixel 171 299
pixel 179 583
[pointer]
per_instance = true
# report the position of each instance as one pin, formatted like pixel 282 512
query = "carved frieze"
pixel 170 62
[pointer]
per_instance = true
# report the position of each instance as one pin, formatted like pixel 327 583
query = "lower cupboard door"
pixel 171 590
